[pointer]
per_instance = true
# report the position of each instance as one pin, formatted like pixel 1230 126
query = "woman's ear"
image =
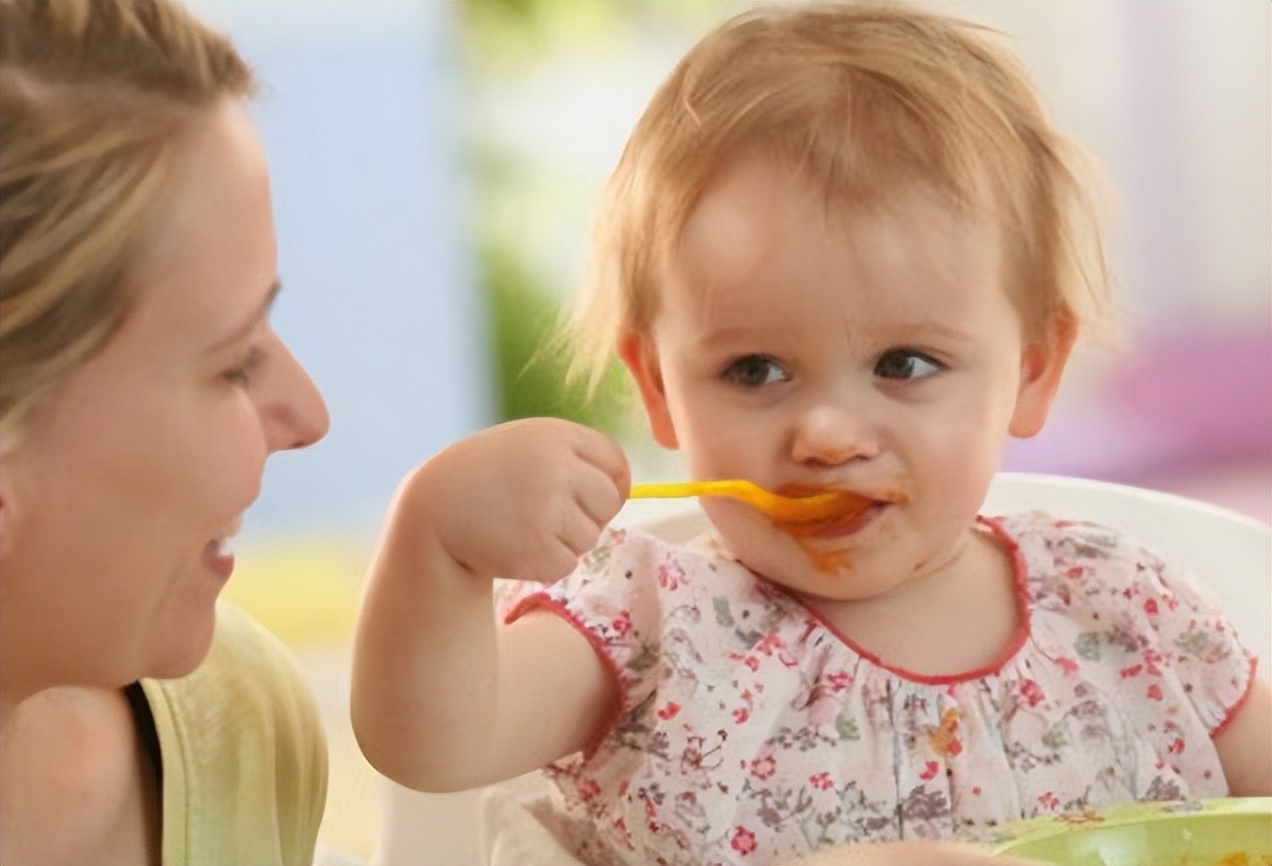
pixel 1042 366
pixel 641 358
pixel 6 511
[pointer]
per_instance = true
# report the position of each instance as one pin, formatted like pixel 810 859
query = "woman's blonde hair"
pixel 863 101
pixel 94 95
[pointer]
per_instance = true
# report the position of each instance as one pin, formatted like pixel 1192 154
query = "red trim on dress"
pixel 1010 651
pixel 1239 702
pixel 544 602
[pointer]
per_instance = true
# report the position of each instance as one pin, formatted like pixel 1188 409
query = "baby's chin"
pixel 781 559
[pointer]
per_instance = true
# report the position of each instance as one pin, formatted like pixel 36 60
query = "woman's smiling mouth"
pixel 218 554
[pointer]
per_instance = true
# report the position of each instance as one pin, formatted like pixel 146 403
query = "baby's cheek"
pixel 239 474
pixel 746 536
pixel 782 559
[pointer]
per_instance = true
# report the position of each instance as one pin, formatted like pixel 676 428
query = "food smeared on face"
pixel 828 516
pixel 829 562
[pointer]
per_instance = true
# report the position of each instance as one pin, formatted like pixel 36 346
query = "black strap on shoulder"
pixel 144 719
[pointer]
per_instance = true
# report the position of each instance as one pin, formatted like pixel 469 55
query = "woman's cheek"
pixel 242 466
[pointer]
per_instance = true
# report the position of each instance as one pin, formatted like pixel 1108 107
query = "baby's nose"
pixel 832 435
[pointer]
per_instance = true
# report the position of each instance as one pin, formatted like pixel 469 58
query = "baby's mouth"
pixel 837 513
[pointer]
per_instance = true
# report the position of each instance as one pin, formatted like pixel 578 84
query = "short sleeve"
pixel 611 598
pixel 1215 668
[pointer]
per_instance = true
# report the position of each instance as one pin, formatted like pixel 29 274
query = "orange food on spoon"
pixel 817 508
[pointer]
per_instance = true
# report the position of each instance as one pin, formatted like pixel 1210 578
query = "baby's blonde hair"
pixel 863 100
pixel 94 97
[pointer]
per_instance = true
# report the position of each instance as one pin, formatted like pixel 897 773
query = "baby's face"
pixel 808 350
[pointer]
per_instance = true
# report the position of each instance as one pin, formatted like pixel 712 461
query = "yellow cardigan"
pixel 244 756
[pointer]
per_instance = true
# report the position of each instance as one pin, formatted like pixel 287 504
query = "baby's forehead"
pixel 756 211
pixel 756 191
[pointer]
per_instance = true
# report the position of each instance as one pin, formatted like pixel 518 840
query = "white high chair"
pixel 1230 552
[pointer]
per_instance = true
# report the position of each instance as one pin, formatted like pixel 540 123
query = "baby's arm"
pixel 1245 745
pixel 444 697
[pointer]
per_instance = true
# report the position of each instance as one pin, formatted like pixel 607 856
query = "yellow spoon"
pixel 817 508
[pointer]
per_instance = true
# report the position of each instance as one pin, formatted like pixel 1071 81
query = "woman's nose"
pixel 298 415
pixel 831 435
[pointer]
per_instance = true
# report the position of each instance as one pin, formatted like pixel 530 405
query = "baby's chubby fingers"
pixel 581 496
pixel 525 498
pixel 601 495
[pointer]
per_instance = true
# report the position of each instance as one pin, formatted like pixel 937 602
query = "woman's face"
pixel 120 499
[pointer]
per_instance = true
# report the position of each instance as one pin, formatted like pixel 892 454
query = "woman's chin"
pixel 183 658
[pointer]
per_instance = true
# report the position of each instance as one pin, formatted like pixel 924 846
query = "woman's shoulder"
pixel 243 751
pixel 246 656
pixel 248 672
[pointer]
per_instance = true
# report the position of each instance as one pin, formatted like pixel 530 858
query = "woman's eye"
pixel 241 374
pixel 752 371
pixel 906 364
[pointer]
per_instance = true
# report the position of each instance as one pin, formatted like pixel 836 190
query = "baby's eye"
pixel 906 364
pixel 753 371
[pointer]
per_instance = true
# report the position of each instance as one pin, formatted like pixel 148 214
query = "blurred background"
pixel 435 165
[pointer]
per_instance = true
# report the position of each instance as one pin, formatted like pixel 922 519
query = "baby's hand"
pixel 524 499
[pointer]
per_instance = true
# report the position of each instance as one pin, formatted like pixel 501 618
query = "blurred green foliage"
pixel 505 41
pixel 508 35
pixel 530 367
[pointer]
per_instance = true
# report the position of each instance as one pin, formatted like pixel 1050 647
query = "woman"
pixel 141 390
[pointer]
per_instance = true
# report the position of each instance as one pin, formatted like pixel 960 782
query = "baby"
pixel 843 250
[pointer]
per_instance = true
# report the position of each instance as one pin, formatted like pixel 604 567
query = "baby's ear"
pixel 1042 366
pixel 641 357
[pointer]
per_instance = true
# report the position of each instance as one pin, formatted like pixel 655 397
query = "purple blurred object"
pixel 1186 399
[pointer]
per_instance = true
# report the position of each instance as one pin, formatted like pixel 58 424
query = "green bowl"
pixel 1227 832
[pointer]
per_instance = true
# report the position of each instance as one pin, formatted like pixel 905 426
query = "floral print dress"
pixel 750 731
